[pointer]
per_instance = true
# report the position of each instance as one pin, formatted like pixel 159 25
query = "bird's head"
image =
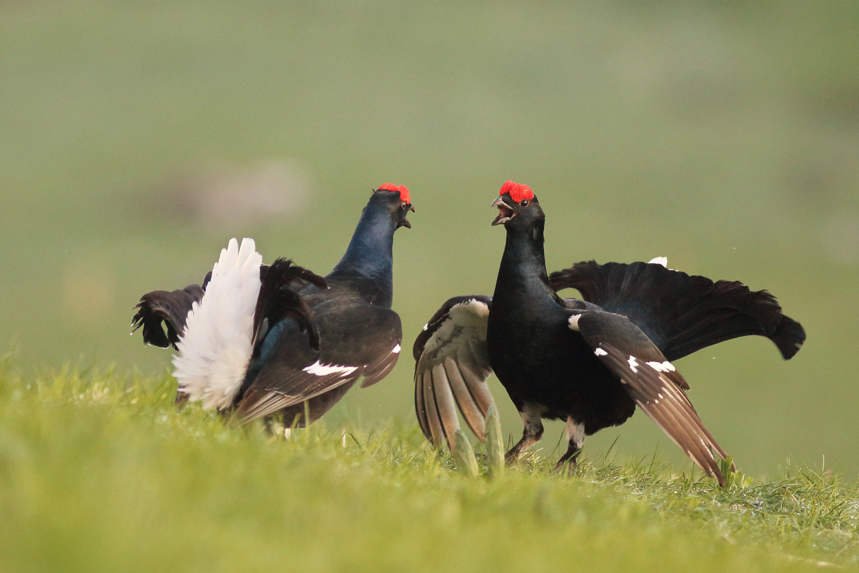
pixel 396 201
pixel 518 207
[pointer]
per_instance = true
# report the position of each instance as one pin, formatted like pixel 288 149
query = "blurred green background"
pixel 136 138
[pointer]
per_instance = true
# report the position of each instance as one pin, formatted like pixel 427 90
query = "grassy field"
pixel 137 138
pixel 98 472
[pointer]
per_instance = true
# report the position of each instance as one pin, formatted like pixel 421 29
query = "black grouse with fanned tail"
pixel 312 338
pixel 588 362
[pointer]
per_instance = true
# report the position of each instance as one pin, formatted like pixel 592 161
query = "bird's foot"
pixel 518 451
pixel 568 463
pixel 568 468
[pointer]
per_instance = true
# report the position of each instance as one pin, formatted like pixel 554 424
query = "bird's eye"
pixel 523 202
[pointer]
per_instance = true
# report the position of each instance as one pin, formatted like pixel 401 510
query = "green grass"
pixel 99 472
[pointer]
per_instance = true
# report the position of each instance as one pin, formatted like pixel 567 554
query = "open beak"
pixel 405 222
pixel 505 213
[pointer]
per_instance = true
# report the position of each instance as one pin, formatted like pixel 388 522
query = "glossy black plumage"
pixel 690 312
pixel 168 308
pixel 313 337
pixel 591 361
pixel 279 299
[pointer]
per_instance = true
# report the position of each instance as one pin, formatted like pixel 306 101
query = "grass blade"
pixel 466 463
pixel 494 442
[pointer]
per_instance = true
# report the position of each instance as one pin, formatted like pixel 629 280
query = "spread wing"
pixel 652 381
pixel 682 313
pixel 355 340
pixel 169 308
pixel 452 365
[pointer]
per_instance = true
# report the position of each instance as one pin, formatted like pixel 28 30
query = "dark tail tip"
pixel 789 337
pixel 169 308
pixel 150 320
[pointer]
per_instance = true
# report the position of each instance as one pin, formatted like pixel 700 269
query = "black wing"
pixel 681 313
pixel 452 365
pixel 169 308
pixel 278 300
pixel 356 339
pixel 652 381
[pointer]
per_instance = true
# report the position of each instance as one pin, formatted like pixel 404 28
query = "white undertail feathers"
pixel 216 347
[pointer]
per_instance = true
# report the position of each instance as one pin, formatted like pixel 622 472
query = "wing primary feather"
pixel 464 398
pixel 683 426
pixel 248 410
pixel 476 383
pixel 444 401
pixel 657 391
pixel 258 405
pixel 373 377
pixel 685 432
pixel 434 424
pixel 420 407
pixel 451 369
pixel 682 430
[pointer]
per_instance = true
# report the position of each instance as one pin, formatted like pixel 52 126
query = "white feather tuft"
pixel 215 350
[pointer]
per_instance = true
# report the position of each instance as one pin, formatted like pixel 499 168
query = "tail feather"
pixel 682 313
pixel 217 344
pixel 169 308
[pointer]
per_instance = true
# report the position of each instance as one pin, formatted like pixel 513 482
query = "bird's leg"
pixel 532 417
pixel 575 439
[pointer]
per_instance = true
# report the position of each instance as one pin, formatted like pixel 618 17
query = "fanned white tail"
pixel 215 350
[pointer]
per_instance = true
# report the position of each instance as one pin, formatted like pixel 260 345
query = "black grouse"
pixel 587 362
pixel 257 340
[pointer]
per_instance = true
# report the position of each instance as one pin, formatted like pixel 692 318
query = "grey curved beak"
pixel 505 213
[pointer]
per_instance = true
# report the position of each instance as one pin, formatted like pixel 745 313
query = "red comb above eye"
pixel 404 194
pixel 507 187
pixel 401 189
pixel 521 192
pixel 517 191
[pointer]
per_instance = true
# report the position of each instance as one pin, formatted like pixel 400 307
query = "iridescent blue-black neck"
pixel 367 265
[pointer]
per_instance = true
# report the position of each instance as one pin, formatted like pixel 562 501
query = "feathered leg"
pixel 575 440
pixel 533 432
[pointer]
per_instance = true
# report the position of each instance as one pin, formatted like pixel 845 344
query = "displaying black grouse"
pixel 259 340
pixel 588 362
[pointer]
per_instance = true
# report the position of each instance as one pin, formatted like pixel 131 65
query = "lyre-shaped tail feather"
pixel 169 308
pixel 216 346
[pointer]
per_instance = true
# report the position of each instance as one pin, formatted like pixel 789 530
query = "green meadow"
pixel 136 138
pixel 102 474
